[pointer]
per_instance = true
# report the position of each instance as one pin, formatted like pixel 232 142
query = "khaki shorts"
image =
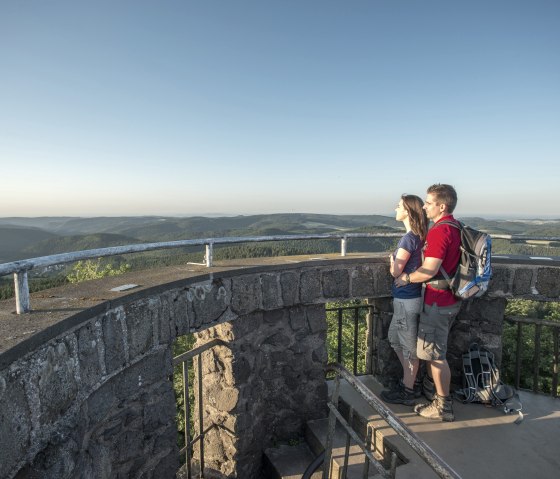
pixel 433 330
pixel 403 329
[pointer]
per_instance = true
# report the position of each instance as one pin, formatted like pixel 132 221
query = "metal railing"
pixel 347 326
pixel 22 267
pixel 428 455
pixel 521 341
pixel 190 439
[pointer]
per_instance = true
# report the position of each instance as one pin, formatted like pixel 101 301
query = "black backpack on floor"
pixel 482 383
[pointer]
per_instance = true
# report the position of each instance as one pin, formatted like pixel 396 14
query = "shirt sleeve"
pixel 437 242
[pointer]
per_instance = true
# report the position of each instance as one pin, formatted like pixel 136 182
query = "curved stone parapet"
pixel 92 395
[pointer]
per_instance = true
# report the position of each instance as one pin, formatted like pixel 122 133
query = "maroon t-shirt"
pixel 443 242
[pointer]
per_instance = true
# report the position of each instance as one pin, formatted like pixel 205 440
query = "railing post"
pixel 22 292
pixel 343 244
pixel 209 254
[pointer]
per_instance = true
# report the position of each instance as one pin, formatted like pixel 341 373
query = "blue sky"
pixel 241 107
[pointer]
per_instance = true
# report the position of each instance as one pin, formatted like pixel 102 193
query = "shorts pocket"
pixel 427 341
pixel 401 323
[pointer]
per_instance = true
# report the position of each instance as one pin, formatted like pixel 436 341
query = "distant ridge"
pixel 27 237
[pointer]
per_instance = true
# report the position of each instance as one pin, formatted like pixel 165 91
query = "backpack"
pixel 482 383
pixel 474 271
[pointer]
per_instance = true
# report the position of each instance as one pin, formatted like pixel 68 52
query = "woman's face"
pixel 401 212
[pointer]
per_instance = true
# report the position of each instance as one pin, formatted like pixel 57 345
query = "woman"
pixel 407 300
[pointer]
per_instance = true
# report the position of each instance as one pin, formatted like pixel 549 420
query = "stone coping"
pixel 59 309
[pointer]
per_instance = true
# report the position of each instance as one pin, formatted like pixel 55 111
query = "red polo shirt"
pixel 443 242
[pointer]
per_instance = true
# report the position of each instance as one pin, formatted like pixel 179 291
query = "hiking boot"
pixel 428 388
pixel 440 409
pixel 399 395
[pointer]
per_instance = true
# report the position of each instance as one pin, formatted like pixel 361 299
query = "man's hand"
pixel 402 280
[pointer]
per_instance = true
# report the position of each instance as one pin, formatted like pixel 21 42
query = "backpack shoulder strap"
pixel 457 225
pixel 468 393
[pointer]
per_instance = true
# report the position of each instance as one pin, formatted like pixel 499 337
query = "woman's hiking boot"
pixel 399 395
pixel 440 409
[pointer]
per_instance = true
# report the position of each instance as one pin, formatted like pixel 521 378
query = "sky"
pixel 207 107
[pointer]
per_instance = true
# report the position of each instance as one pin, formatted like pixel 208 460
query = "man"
pixel 440 306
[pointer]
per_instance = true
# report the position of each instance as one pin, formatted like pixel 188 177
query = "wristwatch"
pixel 407 278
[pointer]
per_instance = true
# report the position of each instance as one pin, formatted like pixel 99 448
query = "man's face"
pixel 433 210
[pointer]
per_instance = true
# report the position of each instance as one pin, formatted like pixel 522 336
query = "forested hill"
pixel 28 237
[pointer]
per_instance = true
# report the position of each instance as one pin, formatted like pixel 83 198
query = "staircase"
pixel 290 462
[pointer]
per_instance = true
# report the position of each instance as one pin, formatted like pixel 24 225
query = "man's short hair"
pixel 444 194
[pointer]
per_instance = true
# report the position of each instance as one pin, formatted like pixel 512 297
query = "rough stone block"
pixel 248 324
pixel 246 294
pixel 160 410
pixel 310 286
pixel 101 402
pixel 501 279
pixel 139 319
pixel 278 340
pixel 145 373
pixel 271 291
pixel 276 316
pixel 182 313
pixel 15 421
pixel 363 282
pixel 289 282
pixel 88 355
pixel 336 284
pixel 56 374
pixel 548 282
pixel 297 318
pixel 209 302
pixel 114 340
pixel 241 369
pixel 317 318
pixel 522 281
pixel 162 318
pixel 383 280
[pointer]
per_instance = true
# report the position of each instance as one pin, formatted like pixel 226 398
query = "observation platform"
pixel 482 441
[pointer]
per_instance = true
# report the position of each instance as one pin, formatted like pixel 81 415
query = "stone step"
pixel 316 437
pixel 409 464
pixel 288 462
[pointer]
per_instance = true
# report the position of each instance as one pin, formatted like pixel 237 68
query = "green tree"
pixel 89 269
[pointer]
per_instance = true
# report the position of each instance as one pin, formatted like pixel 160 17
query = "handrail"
pixel 189 443
pixel 440 467
pixel 21 267
pixel 554 328
pixel 51 260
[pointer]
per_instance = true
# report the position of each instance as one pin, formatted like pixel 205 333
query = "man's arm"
pixel 427 271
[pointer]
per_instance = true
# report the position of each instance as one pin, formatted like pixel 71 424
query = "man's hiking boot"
pixel 440 409
pixel 399 395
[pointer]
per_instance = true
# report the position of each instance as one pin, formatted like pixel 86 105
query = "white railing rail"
pixel 20 268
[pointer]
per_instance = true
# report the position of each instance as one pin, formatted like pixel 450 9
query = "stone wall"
pixel 264 387
pixel 94 398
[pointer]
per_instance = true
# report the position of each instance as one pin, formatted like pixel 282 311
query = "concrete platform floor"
pixel 482 441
